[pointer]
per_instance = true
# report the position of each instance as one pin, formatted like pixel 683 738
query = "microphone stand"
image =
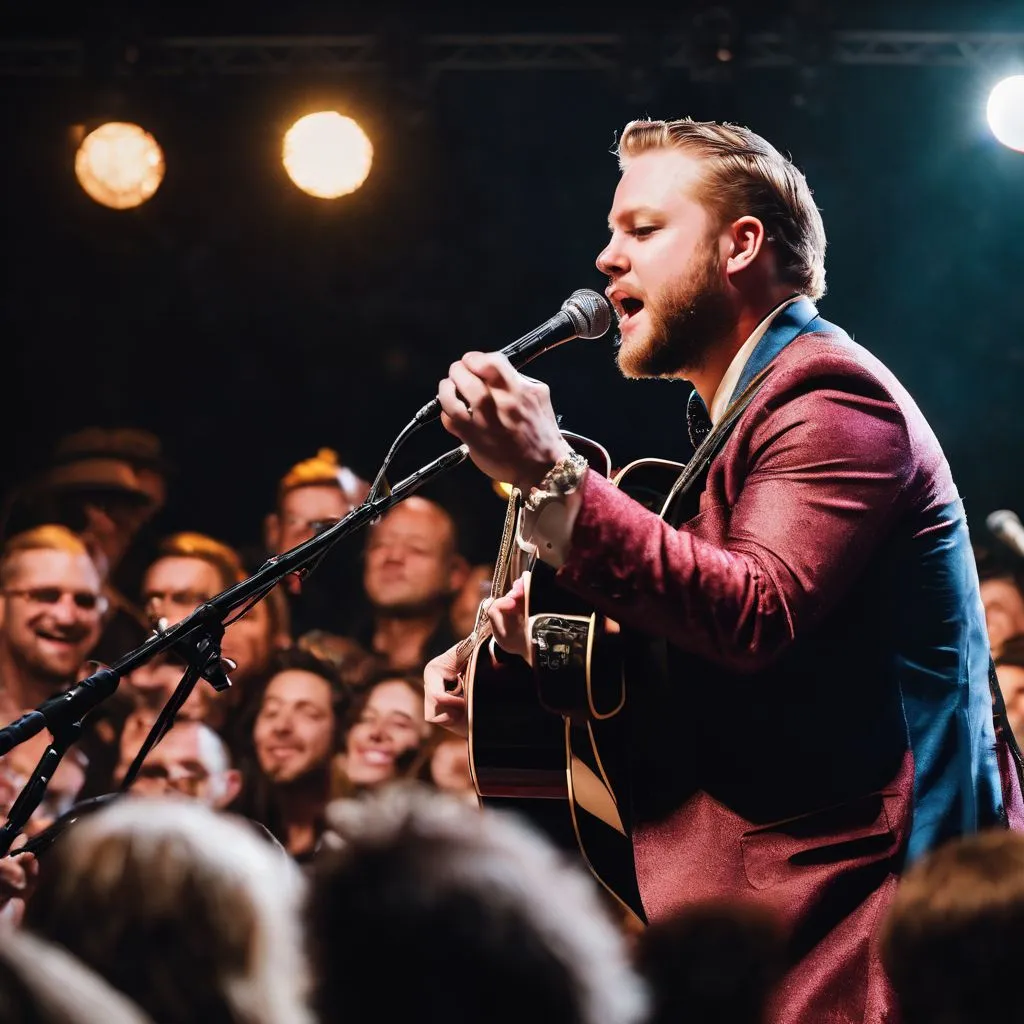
pixel 196 637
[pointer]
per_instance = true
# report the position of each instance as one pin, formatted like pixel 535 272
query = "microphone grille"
pixel 590 313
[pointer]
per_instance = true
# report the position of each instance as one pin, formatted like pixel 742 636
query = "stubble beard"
pixel 684 325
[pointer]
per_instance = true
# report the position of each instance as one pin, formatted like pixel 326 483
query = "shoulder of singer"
pixel 830 466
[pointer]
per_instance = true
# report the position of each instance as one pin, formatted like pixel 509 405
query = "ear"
pixel 271 531
pixel 747 236
pixel 458 573
pixel 231 786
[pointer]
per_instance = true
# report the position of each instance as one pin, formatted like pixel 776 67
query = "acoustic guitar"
pixel 547 740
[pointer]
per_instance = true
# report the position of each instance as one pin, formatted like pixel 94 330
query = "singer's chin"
pixel 639 358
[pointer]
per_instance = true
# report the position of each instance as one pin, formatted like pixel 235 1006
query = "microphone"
pixel 1006 525
pixel 585 314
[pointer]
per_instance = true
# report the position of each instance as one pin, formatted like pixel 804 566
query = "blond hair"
pixel 47 537
pixel 29 988
pixel 210 907
pixel 323 470
pixel 745 175
pixel 221 556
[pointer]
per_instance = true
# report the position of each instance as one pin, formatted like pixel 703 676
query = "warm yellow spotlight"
pixel 1006 112
pixel 327 155
pixel 119 165
pixel 502 490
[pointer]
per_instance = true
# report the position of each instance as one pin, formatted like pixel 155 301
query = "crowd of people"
pixel 285 777
pixel 824 804
pixel 325 696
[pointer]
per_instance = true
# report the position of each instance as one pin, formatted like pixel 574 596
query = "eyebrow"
pixel 633 213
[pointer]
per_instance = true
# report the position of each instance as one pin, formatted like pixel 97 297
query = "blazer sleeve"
pixel 824 471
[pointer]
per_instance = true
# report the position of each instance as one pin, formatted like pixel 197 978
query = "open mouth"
pixel 628 309
pixel 57 638
pixel 378 758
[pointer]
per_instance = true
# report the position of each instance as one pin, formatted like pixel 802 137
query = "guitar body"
pixel 549 741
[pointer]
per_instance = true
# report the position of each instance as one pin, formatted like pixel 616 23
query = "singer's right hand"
pixel 443 705
pixel 505 419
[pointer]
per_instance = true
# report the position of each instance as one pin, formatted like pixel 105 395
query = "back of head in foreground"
pixel 479 917
pixel 714 961
pixel 951 941
pixel 41 983
pixel 185 909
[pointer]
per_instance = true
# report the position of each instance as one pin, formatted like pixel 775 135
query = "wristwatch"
pixel 561 479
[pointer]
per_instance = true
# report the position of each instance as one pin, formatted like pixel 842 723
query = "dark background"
pixel 249 324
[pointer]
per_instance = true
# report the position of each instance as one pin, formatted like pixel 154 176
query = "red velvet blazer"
pixel 827 713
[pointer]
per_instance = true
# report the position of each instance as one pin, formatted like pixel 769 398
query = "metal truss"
pixel 441 54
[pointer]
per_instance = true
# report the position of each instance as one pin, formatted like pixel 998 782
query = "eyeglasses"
pixel 86 600
pixel 182 598
pixel 187 779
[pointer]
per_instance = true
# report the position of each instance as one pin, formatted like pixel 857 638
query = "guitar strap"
pixel 699 464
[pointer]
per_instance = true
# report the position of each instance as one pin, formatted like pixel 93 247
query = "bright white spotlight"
pixel 327 155
pixel 120 165
pixel 1006 112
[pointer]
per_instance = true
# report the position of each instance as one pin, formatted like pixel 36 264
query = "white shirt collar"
pixel 723 395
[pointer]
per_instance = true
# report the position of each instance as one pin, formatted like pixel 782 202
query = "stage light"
pixel 120 165
pixel 1006 112
pixel 327 154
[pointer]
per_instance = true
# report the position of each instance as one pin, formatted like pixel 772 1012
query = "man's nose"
pixel 282 725
pixel 65 610
pixel 611 261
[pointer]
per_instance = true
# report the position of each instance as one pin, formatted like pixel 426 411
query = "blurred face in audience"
pixel 190 761
pixel 51 613
pixel 295 727
pixel 62 790
pixel 1011 685
pixel 302 508
pixel 176 585
pixel 476 588
pixel 411 565
pixel 389 726
pixel 248 642
pixel 1004 610
pixel 449 766
pixel 152 683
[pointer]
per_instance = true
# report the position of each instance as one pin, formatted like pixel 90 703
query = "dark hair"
pixel 717 960
pixel 412 874
pixel 301 659
pixel 951 938
pixel 1011 652
pixel 375 676
pixel 259 799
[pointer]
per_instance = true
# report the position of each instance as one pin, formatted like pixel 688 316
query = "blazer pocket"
pixel 851 833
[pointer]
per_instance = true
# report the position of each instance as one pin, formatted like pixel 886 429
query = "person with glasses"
pixel 190 761
pixel 51 608
pixel 189 569
pixel 311 496
pixel 51 613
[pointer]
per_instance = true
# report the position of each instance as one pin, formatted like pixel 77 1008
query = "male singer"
pixel 829 716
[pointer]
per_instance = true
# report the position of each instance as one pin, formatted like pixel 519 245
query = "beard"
pixel 685 323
